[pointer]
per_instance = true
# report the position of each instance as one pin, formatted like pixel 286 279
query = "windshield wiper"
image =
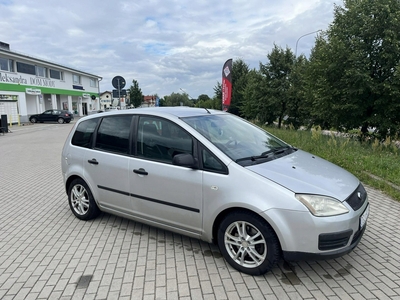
pixel 267 154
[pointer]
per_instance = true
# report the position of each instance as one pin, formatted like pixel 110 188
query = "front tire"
pixel 33 120
pixel 248 243
pixel 81 200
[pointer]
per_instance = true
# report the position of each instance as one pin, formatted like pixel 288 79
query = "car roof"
pixel 177 111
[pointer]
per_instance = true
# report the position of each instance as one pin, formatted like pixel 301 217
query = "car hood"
pixel 302 172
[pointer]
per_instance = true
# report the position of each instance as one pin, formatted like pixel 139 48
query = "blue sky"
pixel 167 46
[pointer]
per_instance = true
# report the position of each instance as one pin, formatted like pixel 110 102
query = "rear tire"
pixel 60 120
pixel 81 200
pixel 248 243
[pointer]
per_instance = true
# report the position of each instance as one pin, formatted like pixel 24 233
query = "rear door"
pixel 162 193
pixel 107 164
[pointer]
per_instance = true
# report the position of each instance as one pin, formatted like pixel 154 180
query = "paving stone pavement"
pixel 47 253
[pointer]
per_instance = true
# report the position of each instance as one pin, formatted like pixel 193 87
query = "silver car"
pixel 211 175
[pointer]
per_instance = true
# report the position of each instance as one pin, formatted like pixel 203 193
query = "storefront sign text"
pixel 7 78
pixel 43 82
pixel 33 91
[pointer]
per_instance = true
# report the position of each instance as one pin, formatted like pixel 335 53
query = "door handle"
pixel 140 171
pixel 93 161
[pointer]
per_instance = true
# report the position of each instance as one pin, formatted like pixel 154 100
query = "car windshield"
pixel 242 141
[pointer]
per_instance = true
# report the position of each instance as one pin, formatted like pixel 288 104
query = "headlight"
pixel 322 206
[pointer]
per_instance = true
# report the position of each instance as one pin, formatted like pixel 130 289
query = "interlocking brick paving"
pixel 47 253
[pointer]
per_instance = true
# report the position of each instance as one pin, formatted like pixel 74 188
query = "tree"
pixel 355 68
pixel 298 110
pixel 203 97
pixel 255 105
pixel 176 99
pixel 277 83
pixel 135 94
pixel 239 81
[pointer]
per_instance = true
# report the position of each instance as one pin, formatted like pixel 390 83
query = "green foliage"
pixel 256 105
pixel 135 94
pixel 354 68
pixel 298 108
pixel 217 96
pixel 214 103
pixel 203 97
pixel 176 99
pixel 240 71
pixel 277 73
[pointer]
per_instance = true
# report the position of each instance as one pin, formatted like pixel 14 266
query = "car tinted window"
pixel 161 139
pixel 113 134
pixel 211 163
pixel 84 133
pixel 237 138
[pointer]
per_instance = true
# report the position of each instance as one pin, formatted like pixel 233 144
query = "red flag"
pixel 226 84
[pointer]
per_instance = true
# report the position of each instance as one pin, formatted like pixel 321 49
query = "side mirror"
pixel 185 160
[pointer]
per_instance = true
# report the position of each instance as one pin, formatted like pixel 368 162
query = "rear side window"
pixel 84 133
pixel 113 134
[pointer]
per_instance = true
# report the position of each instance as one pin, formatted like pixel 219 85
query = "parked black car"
pixel 53 115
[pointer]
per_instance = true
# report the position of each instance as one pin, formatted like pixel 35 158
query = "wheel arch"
pixel 72 178
pixel 228 211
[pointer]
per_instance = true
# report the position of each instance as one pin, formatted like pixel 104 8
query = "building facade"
pixel 150 101
pixel 30 86
pixel 106 100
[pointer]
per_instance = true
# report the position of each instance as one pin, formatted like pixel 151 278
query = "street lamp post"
pixel 186 93
pixel 190 97
pixel 295 54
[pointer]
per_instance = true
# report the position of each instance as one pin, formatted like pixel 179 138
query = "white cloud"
pixel 164 45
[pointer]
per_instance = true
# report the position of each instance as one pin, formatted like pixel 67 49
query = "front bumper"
pixel 302 256
pixel 306 237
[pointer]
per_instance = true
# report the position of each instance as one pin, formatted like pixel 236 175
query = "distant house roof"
pixel 149 99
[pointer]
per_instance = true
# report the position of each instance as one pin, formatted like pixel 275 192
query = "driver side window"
pixel 159 139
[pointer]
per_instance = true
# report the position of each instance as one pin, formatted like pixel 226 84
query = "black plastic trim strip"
pixel 166 203
pixel 113 190
pixel 196 210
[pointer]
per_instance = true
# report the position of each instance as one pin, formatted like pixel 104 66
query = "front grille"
pixel 330 241
pixel 357 198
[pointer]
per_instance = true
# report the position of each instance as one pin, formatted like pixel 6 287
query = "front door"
pixel 162 193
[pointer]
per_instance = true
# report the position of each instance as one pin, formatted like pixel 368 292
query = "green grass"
pixel 375 163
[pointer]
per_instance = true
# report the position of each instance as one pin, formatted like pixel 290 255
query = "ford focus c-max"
pixel 211 175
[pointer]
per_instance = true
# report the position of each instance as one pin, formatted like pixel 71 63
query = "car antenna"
pixel 207 110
